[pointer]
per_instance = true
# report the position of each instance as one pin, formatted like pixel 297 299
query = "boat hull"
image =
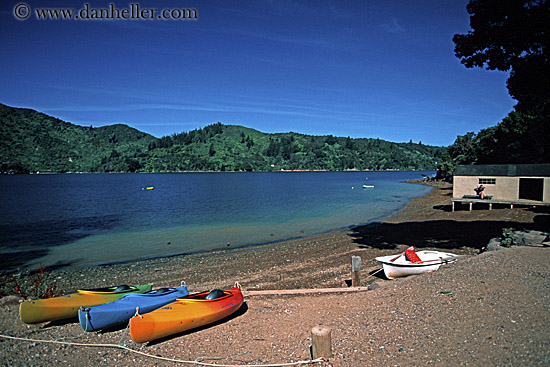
pixel 120 311
pixel 184 314
pixel 397 267
pixel 59 308
pixel 396 271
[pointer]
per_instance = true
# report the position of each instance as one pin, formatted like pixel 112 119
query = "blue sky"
pixel 372 68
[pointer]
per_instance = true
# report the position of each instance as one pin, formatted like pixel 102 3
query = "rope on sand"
pixel 318 360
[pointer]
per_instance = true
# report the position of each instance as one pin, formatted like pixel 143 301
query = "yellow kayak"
pixel 185 313
pixel 58 308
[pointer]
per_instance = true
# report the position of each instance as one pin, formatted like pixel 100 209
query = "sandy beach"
pixel 489 308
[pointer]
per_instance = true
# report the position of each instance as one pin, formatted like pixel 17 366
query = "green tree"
pixel 518 138
pixel 463 151
pixel 512 36
pixel 349 143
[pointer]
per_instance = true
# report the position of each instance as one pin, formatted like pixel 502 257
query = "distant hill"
pixel 31 141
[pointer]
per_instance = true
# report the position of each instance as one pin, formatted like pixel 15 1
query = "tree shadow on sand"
pixel 441 234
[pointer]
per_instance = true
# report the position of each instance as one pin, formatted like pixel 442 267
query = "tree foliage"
pixel 508 35
pixel 31 141
pixel 517 139
pixel 34 142
pixel 511 35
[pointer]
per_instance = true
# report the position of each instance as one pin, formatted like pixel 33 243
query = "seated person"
pixel 479 191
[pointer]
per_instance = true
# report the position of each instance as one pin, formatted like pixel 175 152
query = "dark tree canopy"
pixel 513 36
pixel 517 139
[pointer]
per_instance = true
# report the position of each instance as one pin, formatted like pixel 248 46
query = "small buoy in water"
pixel 228 244
pixel 352 187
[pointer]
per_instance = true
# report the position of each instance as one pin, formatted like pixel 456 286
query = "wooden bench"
pixel 488 200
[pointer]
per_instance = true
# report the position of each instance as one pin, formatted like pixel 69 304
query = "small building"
pixel 522 184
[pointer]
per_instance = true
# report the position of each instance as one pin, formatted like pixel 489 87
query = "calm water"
pixel 103 218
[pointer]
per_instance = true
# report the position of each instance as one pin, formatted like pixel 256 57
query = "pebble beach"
pixel 488 308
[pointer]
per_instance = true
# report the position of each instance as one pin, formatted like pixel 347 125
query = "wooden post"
pixel 321 344
pixel 355 271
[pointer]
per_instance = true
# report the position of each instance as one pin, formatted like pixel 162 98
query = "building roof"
pixel 512 170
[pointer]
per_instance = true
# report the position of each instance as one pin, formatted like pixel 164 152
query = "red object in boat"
pixel 412 256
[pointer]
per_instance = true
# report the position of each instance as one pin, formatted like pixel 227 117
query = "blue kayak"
pixel 120 311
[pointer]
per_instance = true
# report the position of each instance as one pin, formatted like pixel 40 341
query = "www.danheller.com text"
pixel 134 11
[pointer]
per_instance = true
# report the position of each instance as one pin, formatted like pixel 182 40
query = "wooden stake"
pixel 355 271
pixel 321 344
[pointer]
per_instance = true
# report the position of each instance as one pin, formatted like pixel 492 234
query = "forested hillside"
pixel 228 148
pixel 31 141
pixel 34 142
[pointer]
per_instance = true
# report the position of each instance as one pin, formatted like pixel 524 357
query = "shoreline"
pixel 32 265
pixel 270 170
pixel 488 309
pixel 426 220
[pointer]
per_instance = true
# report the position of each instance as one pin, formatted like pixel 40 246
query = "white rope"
pixel 318 360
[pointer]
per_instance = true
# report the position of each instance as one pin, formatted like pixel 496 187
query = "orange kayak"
pixel 186 313
pixel 58 308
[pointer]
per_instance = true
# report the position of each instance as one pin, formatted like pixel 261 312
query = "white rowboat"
pixel 396 266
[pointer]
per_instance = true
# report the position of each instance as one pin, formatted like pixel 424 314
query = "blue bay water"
pixel 88 219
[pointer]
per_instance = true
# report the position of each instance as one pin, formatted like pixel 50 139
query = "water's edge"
pixel 244 247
